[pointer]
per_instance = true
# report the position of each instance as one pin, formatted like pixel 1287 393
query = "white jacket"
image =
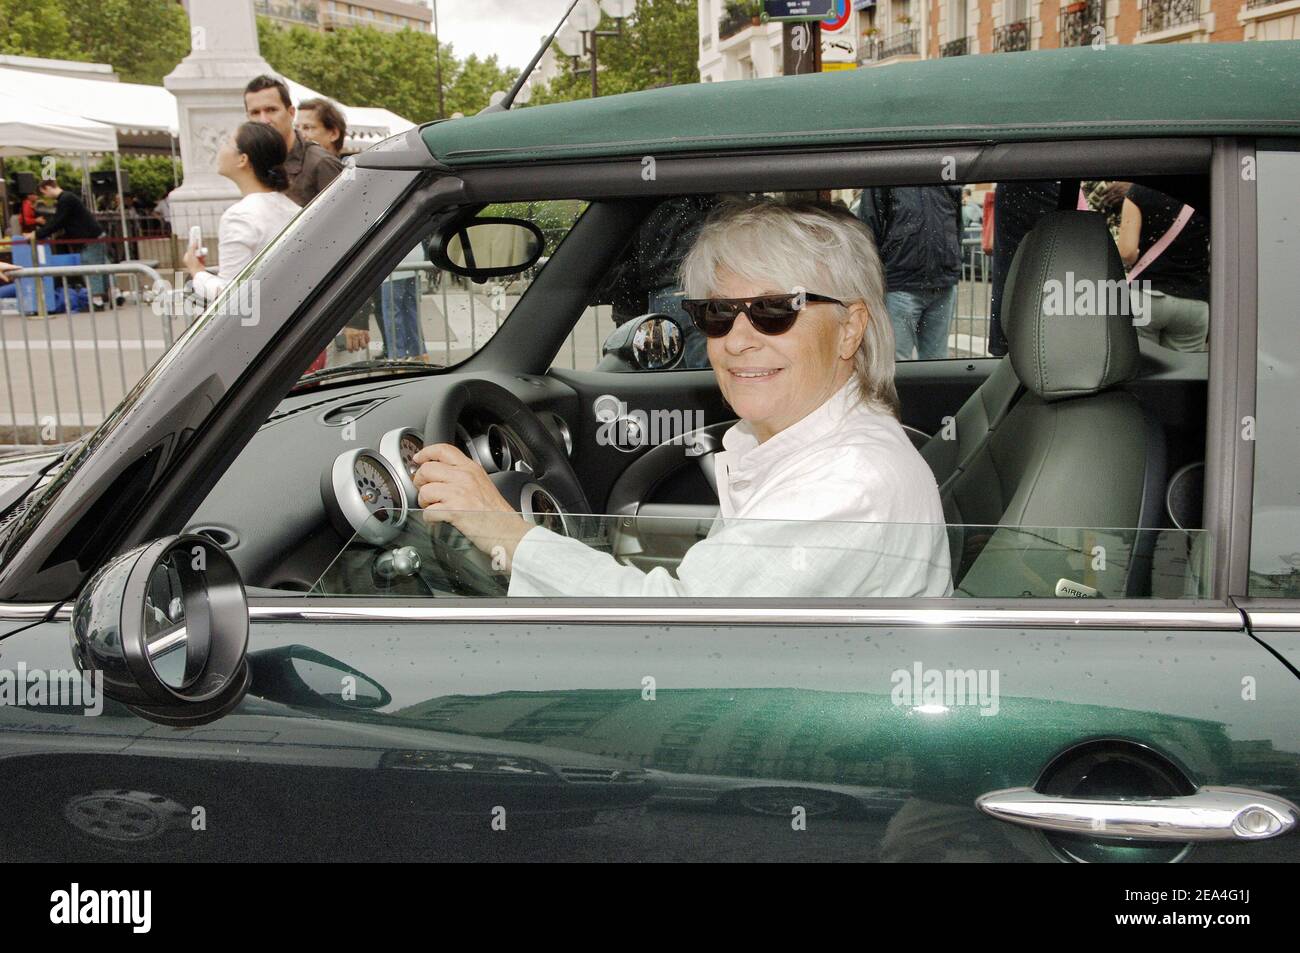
pixel 246 228
pixel 838 504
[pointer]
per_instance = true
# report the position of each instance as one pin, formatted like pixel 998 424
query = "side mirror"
pixel 298 675
pixel 165 626
pixel 652 342
pixel 483 248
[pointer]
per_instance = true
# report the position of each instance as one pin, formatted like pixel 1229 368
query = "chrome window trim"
pixel 29 611
pixel 1270 619
pixel 944 613
pixel 624 614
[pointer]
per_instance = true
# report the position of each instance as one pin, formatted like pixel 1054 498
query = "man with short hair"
pixel 78 227
pixel 309 167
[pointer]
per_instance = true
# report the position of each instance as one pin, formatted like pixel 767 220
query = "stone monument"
pixel 209 89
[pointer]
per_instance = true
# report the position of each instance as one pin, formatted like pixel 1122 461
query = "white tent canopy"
pixel 29 129
pixel 145 117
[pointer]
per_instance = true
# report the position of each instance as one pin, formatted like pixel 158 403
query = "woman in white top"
pixel 253 158
pixel 791 299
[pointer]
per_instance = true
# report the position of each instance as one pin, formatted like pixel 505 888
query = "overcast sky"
pixel 512 29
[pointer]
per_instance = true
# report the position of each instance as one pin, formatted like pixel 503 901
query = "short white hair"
pixel 803 245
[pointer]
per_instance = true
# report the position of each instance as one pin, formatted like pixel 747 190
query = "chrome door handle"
pixel 1210 814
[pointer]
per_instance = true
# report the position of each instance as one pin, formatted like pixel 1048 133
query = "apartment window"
pixel 956 19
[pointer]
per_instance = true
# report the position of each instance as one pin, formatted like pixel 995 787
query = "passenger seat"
pixel 1071 453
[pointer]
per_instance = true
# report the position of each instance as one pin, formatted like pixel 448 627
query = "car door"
pixel 795 729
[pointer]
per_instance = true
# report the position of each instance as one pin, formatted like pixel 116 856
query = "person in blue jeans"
pixel 918 234
pixel 921 319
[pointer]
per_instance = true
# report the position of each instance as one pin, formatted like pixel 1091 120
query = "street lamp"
pixel 579 35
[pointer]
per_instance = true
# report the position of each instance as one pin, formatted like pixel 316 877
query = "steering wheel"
pixel 547 489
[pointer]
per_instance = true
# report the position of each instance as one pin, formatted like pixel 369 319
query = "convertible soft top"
pixel 1119 91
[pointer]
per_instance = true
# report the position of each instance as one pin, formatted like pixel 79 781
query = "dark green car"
pixel 293 665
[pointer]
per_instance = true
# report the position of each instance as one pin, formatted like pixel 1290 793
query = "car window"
pixel 399 555
pixel 1275 530
pixel 945 252
pixel 421 313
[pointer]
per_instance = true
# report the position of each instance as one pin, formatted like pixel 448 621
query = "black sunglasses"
pixel 769 314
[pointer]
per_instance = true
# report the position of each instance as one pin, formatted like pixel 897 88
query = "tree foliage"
pixel 659 47
pixel 142 39
pixel 363 66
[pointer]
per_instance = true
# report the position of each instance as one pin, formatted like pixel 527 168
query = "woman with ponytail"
pixel 253 158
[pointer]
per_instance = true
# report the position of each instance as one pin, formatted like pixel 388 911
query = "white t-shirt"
pixel 246 228
pixel 838 504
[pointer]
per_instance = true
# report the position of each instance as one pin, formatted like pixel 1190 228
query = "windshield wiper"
pixel 361 367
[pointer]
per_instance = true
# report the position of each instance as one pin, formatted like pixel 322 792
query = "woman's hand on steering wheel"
pixel 456 490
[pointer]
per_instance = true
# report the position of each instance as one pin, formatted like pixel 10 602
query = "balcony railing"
pixel 1160 15
pixel 1079 22
pixel 1012 37
pixel 1252 4
pixel 899 44
pixel 733 22
pixel 293 10
pixel 957 47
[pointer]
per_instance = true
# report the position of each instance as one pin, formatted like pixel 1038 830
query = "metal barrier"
pixel 65 380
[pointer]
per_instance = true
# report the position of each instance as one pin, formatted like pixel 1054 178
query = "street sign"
pixel 792 10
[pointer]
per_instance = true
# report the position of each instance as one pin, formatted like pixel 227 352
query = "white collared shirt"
pixel 838 504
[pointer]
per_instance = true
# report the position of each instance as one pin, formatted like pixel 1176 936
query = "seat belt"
pixel 1163 242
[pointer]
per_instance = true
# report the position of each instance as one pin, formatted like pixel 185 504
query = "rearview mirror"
pixel 485 248
pixel 166 627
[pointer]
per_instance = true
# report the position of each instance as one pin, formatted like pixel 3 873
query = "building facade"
pixel 387 15
pixel 734 44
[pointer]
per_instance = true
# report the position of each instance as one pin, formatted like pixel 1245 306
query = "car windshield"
pixel 424 316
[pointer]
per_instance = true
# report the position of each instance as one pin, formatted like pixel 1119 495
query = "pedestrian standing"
pixel 252 158
pixel 77 227
pixel 918 233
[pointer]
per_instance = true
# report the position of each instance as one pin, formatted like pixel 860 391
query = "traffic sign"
pixel 800 9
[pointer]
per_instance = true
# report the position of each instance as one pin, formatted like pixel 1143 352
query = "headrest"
pixel 1066 308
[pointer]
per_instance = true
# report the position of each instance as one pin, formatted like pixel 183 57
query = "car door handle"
pixel 1211 814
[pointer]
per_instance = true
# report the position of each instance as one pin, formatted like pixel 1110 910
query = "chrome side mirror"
pixel 166 627
pixel 652 342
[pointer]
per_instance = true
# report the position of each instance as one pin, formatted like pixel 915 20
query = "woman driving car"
pixel 791 300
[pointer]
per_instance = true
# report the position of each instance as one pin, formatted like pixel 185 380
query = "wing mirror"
pixel 298 675
pixel 166 627
pixel 483 248
pixel 652 342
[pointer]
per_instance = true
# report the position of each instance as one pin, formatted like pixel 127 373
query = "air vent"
pixel 342 415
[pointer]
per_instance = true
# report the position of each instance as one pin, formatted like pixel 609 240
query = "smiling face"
pixel 775 380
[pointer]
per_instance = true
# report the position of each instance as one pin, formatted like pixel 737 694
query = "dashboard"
pixel 336 465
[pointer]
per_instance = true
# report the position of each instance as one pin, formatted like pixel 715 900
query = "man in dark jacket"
pixel 309 167
pixel 918 234
pixel 76 226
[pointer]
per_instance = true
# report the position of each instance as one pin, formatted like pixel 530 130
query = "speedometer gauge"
pixel 399 448
pixel 364 496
